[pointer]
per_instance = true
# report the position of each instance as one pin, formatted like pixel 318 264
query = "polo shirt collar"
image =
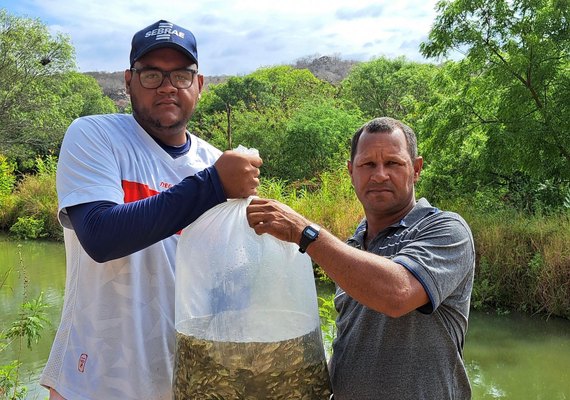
pixel 422 209
pixel 419 212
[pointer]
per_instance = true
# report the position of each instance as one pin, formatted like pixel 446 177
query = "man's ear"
pixel 200 84
pixel 128 77
pixel 418 164
pixel 349 167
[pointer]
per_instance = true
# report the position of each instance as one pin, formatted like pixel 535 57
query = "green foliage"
pixel 523 261
pixel 566 202
pixel 452 146
pixel 510 92
pixel 327 314
pixel 317 139
pixel 46 166
pixel 7 177
pixel 30 57
pixel 263 131
pixel 31 322
pixel 237 94
pixel 31 211
pixel 292 87
pixel 79 95
pixel 270 110
pixel 328 199
pixel 483 293
pixel 396 88
pixel 40 93
pixel 10 387
pixel 28 228
pixel 268 95
pixel 27 327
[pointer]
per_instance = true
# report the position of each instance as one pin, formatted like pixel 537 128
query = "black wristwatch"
pixel 309 235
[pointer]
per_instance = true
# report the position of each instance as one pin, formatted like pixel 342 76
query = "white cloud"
pixel 237 37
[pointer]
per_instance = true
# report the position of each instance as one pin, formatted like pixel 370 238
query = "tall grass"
pixel 30 212
pixel 523 261
pixel 330 202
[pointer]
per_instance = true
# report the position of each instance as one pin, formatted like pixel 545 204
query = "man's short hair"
pixel 386 125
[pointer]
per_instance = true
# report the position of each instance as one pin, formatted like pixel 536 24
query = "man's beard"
pixel 155 123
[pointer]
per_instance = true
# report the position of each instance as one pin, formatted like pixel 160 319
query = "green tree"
pixel 40 93
pixel 254 110
pixel 453 146
pixel 79 95
pixel 515 88
pixel 237 94
pixel 291 87
pixel 264 131
pixel 7 177
pixel 29 57
pixel 317 139
pixel 385 87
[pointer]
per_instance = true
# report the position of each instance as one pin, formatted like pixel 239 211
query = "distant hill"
pixel 328 68
pixel 113 86
pixel 332 69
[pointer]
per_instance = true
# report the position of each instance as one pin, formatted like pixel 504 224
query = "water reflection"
pixel 517 356
pixel 511 356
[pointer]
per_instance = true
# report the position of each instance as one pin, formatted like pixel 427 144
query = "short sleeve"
pixel 87 169
pixel 441 256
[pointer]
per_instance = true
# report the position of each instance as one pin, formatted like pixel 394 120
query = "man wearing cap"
pixel 127 185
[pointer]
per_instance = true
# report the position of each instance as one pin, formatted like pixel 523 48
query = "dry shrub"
pixel 553 286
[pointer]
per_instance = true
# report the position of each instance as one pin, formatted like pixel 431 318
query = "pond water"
pixel 513 356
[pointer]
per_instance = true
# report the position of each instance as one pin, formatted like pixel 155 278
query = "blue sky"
pixel 238 37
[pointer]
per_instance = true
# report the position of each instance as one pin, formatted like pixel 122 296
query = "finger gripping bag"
pixel 247 322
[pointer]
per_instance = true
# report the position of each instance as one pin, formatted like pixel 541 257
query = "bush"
pixel 36 200
pixel 28 228
pixel 7 177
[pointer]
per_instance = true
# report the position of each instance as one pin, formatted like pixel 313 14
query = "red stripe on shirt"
pixel 136 191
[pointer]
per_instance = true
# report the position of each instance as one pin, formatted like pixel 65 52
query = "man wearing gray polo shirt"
pixel 404 279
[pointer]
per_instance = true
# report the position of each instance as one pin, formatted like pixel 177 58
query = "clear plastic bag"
pixel 247 322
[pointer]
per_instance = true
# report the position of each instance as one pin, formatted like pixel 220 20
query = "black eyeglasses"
pixel 152 78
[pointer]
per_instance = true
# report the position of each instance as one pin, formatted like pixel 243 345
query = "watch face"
pixel 311 232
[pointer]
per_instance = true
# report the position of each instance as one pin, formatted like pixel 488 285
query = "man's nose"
pixel 380 174
pixel 166 85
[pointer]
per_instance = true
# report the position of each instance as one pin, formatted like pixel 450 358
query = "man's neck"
pixel 377 223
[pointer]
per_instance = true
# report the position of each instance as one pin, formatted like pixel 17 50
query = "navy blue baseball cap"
pixel 163 34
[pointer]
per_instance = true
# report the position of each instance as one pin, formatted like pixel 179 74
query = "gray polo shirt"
pixel 419 355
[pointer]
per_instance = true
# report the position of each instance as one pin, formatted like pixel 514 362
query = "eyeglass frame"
pixel 165 74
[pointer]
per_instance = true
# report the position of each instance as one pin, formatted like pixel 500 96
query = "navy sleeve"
pixel 107 230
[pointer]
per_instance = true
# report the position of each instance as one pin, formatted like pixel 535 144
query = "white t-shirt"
pixel 116 336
